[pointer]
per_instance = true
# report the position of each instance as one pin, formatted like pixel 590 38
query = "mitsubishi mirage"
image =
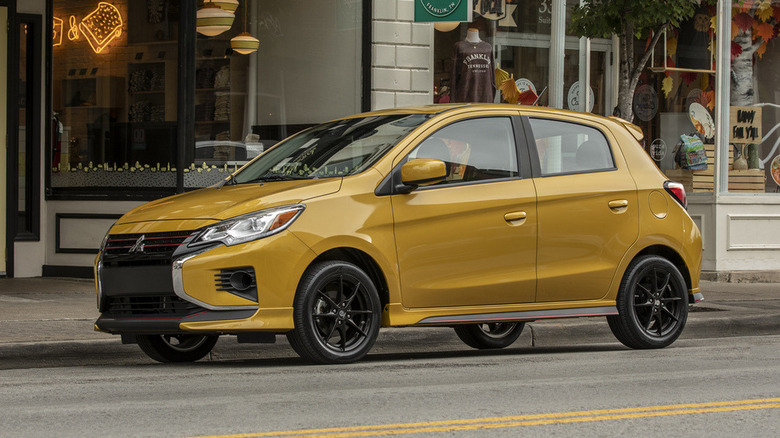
pixel 475 217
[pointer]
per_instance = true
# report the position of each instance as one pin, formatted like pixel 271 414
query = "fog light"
pixel 241 280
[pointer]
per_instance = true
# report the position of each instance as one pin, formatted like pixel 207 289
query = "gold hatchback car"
pixel 476 217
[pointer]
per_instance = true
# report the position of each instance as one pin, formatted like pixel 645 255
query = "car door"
pixel 471 239
pixel 587 208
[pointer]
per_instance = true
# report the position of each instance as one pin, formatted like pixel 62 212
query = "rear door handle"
pixel 516 217
pixel 618 205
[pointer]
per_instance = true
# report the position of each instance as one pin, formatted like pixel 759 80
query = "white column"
pixel 722 97
pixel 557 43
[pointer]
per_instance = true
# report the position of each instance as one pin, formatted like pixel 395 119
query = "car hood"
pixel 219 203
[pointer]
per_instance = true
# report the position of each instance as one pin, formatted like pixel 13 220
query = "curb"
pixel 741 276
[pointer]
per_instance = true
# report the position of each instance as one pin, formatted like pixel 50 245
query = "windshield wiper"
pixel 277 177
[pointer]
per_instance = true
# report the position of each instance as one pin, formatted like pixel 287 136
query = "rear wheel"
pixel 176 348
pixel 337 313
pixel 489 335
pixel 652 304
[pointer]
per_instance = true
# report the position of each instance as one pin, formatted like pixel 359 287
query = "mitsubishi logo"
pixel 138 246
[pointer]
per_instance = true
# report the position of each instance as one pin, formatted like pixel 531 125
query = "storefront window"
pixel 755 93
pixel 114 94
pixel 116 70
pixel 674 103
pixel 306 71
pixel 521 35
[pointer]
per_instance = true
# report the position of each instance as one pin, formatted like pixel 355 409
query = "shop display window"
pixel 520 33
pixel 116 72
pixel 755 91
pixel 114 94
pixel 675 101
pixel 246 103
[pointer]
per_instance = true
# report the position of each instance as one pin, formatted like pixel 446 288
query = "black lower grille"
pixel 166 305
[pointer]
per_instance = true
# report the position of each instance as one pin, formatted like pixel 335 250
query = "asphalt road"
pixel 696 387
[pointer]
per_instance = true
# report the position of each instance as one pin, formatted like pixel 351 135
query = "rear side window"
pixel 565 147
pixel 474 150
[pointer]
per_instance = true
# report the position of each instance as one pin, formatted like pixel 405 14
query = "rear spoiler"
pixel 635 131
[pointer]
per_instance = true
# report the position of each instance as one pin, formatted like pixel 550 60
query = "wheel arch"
pixel 363 261
pixel 673 256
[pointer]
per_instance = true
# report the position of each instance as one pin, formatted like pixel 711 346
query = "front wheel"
pixel 652 304
pixel 176 348
pixel 336 313
pixel 489 335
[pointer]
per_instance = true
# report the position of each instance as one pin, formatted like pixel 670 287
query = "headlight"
pixel 250 226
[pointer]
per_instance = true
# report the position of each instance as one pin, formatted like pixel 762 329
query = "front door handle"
pixel 515 217
pixel 619 205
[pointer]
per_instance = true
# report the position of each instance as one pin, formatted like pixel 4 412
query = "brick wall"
pixel 402 56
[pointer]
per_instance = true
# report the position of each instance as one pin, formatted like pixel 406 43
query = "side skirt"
pixel 520 316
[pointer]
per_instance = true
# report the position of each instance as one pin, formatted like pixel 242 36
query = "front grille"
pixel 142 249
pixel 165 305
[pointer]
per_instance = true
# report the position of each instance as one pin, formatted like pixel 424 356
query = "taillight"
pixel 678 192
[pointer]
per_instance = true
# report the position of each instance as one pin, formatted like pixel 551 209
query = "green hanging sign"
pixel 427 11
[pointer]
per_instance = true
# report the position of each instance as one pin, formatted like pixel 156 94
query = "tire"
pixel 176 348
pixel 337 314
pixel 652 304
pixel 489 335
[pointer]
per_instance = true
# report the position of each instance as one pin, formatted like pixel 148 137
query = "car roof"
pixel 436 109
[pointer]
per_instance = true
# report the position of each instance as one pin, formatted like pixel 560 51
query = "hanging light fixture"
pixel 228 5
pixel 213 20
pixel 446 26
pixel 244 43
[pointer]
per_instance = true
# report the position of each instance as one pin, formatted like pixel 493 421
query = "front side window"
pixel 565 147
pixel 473 150
pixel 334 149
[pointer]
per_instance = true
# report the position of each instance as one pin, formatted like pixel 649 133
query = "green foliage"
pixel 602 18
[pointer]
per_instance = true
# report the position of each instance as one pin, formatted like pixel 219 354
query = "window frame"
pixel 536 163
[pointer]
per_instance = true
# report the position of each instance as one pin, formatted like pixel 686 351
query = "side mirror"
pixel 423 172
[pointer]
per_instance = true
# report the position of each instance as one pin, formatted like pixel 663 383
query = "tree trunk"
pixel 629 72
pixel 742 91
pixel 625 92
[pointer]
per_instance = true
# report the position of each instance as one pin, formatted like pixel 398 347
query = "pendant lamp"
pixel 213 20
pixel 228 5
pixel 244 43
pixel 446 26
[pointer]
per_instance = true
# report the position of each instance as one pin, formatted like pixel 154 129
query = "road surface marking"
pixel 521 420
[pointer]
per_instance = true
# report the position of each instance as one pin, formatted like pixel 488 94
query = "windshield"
pixel 334 149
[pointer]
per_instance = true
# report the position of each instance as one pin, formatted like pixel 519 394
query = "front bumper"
pixel 189 290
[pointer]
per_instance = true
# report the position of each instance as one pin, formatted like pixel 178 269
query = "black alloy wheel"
pixel 337 314
pixel 176 348
pixel 652 304
pixel 489 335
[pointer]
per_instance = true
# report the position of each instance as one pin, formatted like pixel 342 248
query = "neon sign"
pixel 57 32
pixel 99 27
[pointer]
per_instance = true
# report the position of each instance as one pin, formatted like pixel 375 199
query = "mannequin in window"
pixel 473 77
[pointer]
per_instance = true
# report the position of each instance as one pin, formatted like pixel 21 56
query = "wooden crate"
pixel 698 181
pixel 740 181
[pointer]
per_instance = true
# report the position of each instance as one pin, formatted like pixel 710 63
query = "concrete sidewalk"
pixel 35 312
